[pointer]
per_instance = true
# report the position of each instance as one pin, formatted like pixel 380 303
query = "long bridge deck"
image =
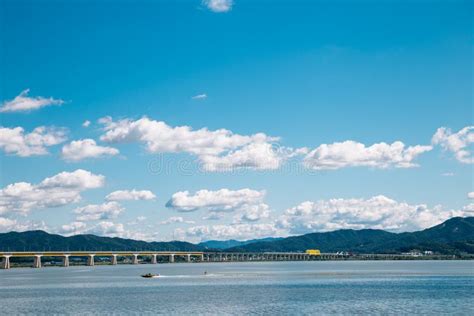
pixel 154 257
pixel 136 257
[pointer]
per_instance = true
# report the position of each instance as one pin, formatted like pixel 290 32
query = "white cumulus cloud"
pixel 7 225
pixel 86 123
pixel 213 216
pixel 16 142
pixel 216 150
pixel 175 219
pixel 458 143
pixel 246 203
pixel 199 96
pixel 102 228
pixel 59 190
pixel 24 103
pixel 470 195
pixel 102 211
pixel 354 154
pixel 214 201
pixel 73 228
pixel 218 6
pixel 257 156
pixel 253 213
pixel 378 212
pixel 127 195
pixel 86 148
pixel 110 229
pixel 224 232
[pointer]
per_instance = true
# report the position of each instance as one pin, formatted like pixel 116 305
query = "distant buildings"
pixel 418 253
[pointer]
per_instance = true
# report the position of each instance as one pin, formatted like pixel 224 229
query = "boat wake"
pixel 183 276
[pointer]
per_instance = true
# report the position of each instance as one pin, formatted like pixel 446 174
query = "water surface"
pixel 275 288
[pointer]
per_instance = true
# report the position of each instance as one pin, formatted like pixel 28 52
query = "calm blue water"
pixel 276 288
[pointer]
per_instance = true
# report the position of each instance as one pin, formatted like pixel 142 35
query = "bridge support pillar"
pixel 188 258
pixel 113 260
pixel 135 259
pixel 153 259
pixel 66 261
pixel 37 262
pixel 90 260
pixel 171 258
pixel 5 262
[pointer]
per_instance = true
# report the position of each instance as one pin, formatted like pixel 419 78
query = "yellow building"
pixel 313 252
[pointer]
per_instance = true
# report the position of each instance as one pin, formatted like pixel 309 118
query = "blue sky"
pixel 304 73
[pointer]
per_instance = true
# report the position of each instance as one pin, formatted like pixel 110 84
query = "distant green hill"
pixel 225 244
pixel 42 241
pixel 454 236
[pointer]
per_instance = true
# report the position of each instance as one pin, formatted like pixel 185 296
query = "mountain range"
pixel 454 236
pixel 225 244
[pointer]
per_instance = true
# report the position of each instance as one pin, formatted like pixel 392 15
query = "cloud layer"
pixel 175 219
pixel 7 225
pixel 199 96
pixel 24 103
pixel 92 212
pixel 62 189
pixel 224 232
pixel 378 212
pixel 218 6
pixel 457 143
pixel 354 154
pixel 216 150
pixel 15 141
pixel 128 195
pixel 223 200
pixel 85 149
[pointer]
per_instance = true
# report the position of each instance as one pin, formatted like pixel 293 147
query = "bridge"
pixel 136 257
pixel 90 258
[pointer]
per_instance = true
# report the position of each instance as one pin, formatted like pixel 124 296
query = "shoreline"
pixel 106 264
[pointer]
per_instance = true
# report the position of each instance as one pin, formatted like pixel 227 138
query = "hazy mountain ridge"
pixel 42 241
pixel 455 235
pixel 452 236
pixel 225 244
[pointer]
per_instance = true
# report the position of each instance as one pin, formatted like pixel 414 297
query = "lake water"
pixel 271 288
